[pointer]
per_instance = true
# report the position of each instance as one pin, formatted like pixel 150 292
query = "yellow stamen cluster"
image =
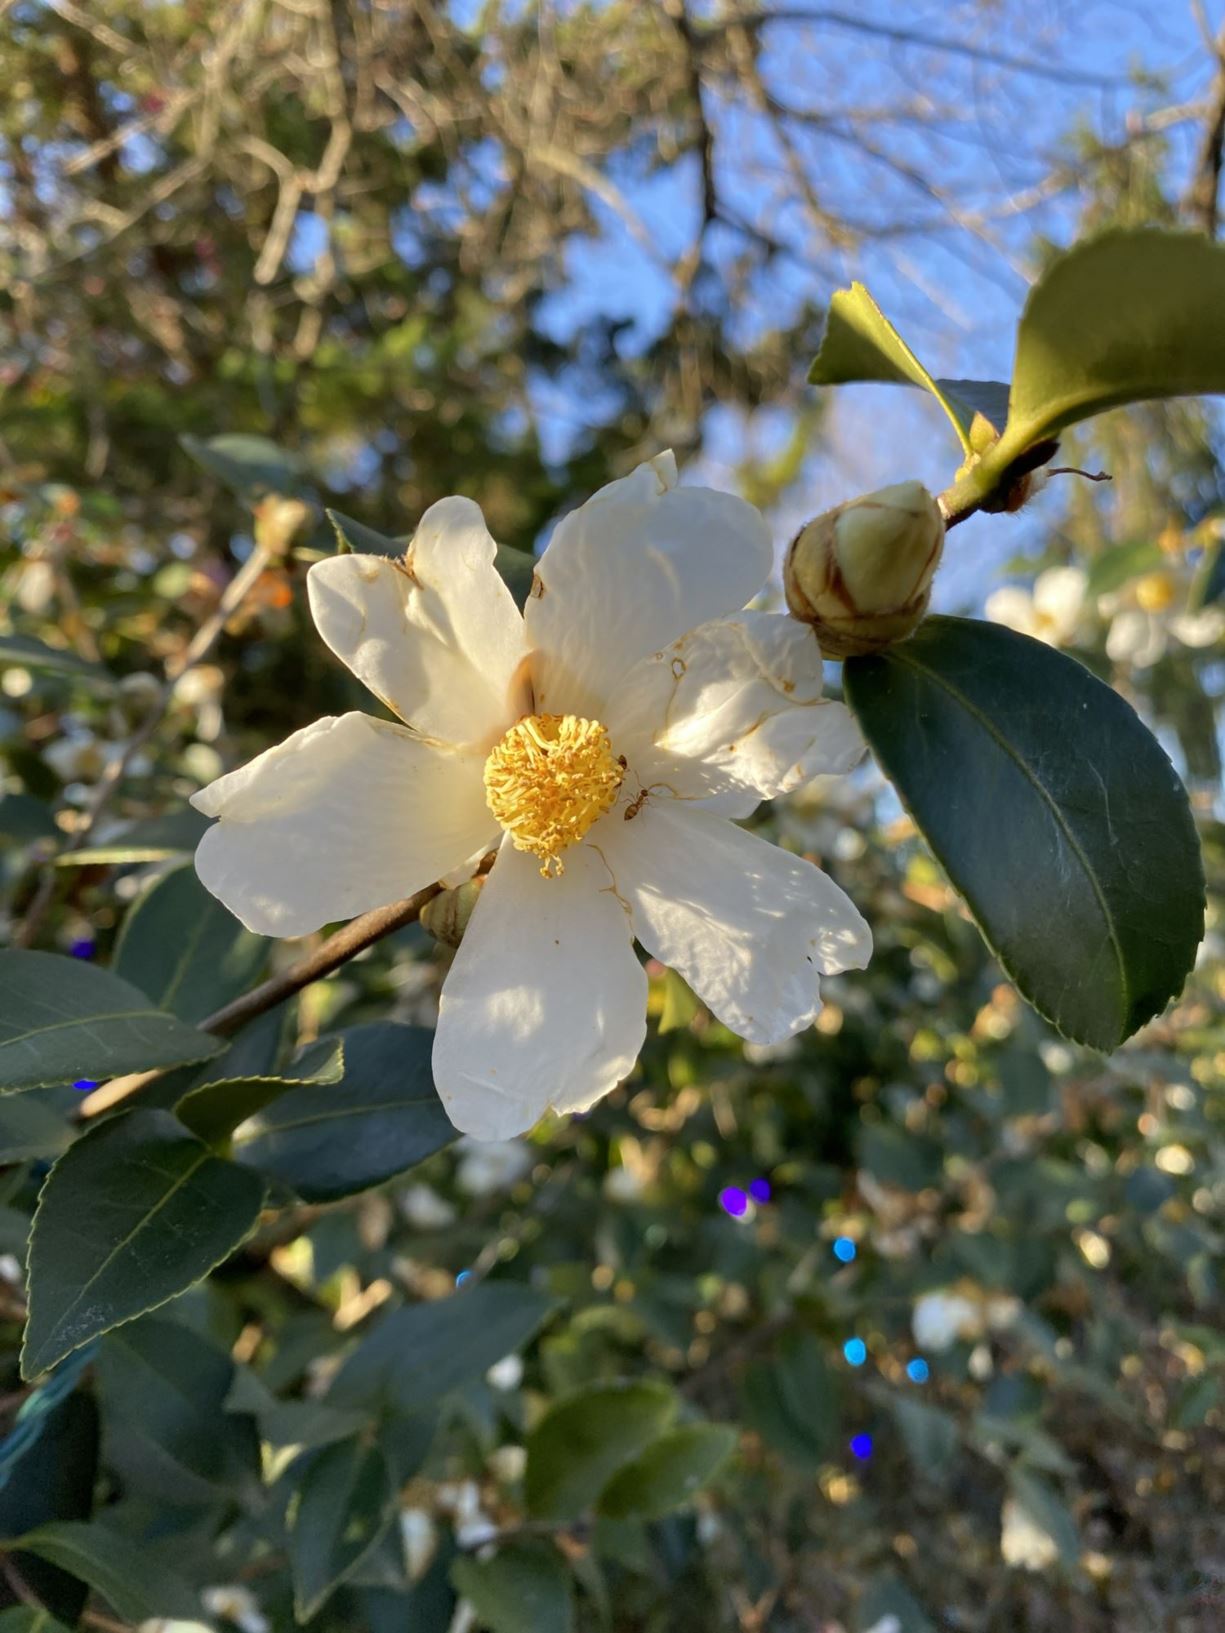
pixel 549 780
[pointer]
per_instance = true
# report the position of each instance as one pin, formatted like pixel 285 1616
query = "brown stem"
pixel 338 949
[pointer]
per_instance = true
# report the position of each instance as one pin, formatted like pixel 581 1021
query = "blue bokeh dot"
pixel 844 1249
pixel 918 1370
pixel 861 1445
pixel 759 1190
pixel 733 1200
pixel 856 1351
pixel 83 947
pixel 85 1085
pixel 464 1275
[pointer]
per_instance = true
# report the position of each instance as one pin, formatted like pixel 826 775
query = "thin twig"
pixel 338 949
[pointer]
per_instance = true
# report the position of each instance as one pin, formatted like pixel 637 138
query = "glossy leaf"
pixel 126 1575
pixel 669 1473
pixel 133 1213
pixel 343 1506
pixel 31 1125
pixel 184 949
pixel 1052 809
pixel 53 1479
pixel 524 1588
pixel 251 466
pixel 416 1355
pixel 859 343
pixel 162 1388
pixel 34 654
pixel 1122 318
pixel 215 1109
pixel 152 840
pixel 332 1139
pixel 578 1447
pixel 62 1019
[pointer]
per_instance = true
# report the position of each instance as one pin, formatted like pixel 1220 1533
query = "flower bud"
pixel 861 573
pixel 446 915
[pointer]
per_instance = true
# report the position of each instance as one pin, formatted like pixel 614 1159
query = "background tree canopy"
pixel 912 1323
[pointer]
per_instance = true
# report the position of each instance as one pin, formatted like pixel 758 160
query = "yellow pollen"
pixel 549 780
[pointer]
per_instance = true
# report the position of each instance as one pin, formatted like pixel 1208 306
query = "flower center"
pixel 549 780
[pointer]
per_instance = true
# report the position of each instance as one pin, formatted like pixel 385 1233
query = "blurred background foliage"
pixel 953 1283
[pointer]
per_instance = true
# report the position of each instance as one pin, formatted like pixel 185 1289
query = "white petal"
pixel 1136 638
pixel 349 814
pixel 1059 596
pixel 1203 628
pixel 735 705
pixel 750 927
pixel 545 1004
pixel 636 566
pixel 1013 607
pixel 436 637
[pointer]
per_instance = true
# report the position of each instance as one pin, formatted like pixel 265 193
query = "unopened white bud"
pixel 861 574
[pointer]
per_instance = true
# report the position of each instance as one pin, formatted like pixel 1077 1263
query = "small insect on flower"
pixel 603 742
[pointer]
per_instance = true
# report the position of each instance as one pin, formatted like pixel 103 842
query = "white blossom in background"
pixel 1023 1543
pixel 508 1464
pixel 603 742
pixel 236 1604
pixel 1052 611
pixel 1149 613
pixel 506 1373
pixel 422 1206
pixel 419 1539
pixel 941 1318
pixel 486 1166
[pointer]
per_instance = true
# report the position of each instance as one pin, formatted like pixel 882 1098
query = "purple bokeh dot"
pixel 734 1201
pixel 83 947
pixel 759 1190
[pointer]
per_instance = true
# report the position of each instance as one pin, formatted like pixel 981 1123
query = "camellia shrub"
pixel 546 1143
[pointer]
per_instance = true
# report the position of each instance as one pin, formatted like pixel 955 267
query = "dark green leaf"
pixel 162 1388
pixel 62 1019
pixel 383 1117
pixel 26 1619
pixel 417 1355
pixel 930 1436
pixel 887 1601
pixel 583 1442
pixel 792 1400
pixel 214 1110
pixel 30 1126
pixel 250 466
pixel 53 1479
pixel 34 654
pixel 343 1506
pixel 133 1213
pixel 24 820
pixel 184 949
pixel 126 1575
pixel 1091 892
pixel 669 1473
pixel 356 536
pixel 524 1588
pixel 1208 585
pixel 153 840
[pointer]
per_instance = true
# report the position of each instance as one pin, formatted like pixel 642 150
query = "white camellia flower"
pixel 1050 612
pixel 601 741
